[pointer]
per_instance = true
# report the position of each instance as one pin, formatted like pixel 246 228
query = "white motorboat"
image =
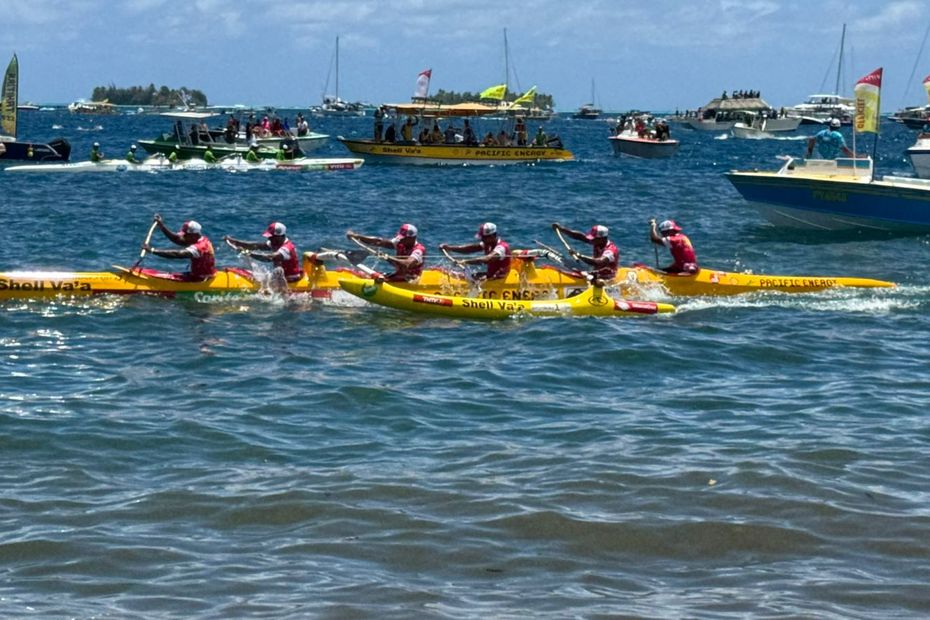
pixel 919 154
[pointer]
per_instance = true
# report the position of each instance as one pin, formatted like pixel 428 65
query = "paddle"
pixel 148 239
pixel 655 248
pixel 551 252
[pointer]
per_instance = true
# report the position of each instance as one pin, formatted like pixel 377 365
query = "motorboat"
pixel 820 108
pixel 919 154
pixel 722 113
pixel 631 144
pixel 836 194
pixel 92 107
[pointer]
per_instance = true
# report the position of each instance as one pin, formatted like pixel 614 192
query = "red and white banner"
pixel 422 88
pixel 868 101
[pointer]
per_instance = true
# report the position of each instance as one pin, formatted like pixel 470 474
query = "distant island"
pixel 149 95
pixel 451 98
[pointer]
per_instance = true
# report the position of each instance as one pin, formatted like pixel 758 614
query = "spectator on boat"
pixel 196 248
pixel 435 135
pixel 423 136
pixel 379 123
pixel 519 130
pixel 503 139
pixel 96 155
pixel 194 134
pixel 276 249
pixel 390 134
pixel 489 140
pixel 468 134
pixel 540 139
pixel 829 142
pixel 605 257
pixel 303 127
pixel 640 127
pixel 450 134
pixel 229 134
pixel 409 254
pixel 266 124
pixel 276 128
pixel 671 236
pixel 495 252
pixel 208 155
pixel 662 131
pixel 406 132
pixel 131 155
pixel 251 155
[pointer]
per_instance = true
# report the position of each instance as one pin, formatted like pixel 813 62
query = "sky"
pixel 657 55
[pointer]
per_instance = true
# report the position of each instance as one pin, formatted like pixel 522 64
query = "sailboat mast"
pixel 337 65
pixel 506 65
pixel 839 65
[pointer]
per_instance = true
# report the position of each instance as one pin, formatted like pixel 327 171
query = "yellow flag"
pixel 868 101
pixel 526 97
pixel 495 92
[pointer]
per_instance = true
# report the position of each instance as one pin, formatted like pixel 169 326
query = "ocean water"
pixel 759 456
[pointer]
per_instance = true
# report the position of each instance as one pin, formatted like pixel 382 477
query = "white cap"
pixel 486 230
pixel 275 229
pixel 191 227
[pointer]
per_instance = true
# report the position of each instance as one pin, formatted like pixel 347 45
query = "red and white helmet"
pixel 190 227
pixel 404 232
pixel 488 229
pixel 275 229
pixel 597 232
pixel 669 226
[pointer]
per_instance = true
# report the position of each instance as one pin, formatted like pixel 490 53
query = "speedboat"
pixel 919 154
pixel 629 143
pixel 840 194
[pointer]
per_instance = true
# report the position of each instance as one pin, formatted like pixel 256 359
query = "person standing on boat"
pixel 409 254
pixel 276 249
pixel 829 142
pixel 468 134
pixel 96 155
pixel 670 235
pixel 519 130
pixel 131 155
pixel 406 132
pixel 196 247
pixel 379 123
pixel 605 256
pixel 496 252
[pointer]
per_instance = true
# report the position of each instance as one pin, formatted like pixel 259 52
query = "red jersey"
pixel 417 251
pixel 683 253
pixel 498 267
pixel 286 258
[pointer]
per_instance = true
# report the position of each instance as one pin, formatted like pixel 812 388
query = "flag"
pixel 526 97
pixel 422 87
pixel 495 92
pixel 927 86
pixel 868 99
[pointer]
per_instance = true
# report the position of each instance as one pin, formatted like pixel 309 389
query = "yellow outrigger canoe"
pixel 526 281
pixel 592 301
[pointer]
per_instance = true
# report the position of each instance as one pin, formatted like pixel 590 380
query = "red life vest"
pixel 415 271
pixel 608 271
pixel 291 265
pixel 204 265
pixel 683 253
pixel 497 267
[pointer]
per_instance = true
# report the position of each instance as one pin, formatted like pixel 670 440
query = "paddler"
pixel 208 156
pixel 95 154
pixel 496 252
pixel 276 249
pixel 671 236
pixel 131 155
pixel 251 155
pixel 197 248
pixel 409 253
pixel 605 256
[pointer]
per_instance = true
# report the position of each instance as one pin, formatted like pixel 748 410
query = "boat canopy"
pixel 189 115
pixel 437 109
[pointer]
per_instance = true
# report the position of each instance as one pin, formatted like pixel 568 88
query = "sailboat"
pixel 10 148
pixel 332 105
pixel 820 108
pixel 588 111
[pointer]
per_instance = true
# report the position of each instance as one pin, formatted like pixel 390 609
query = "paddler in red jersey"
pixel 496 252
pixel 605 257
pixel 409 253
pixel 276 249
pixel 669 234
pixel 197 248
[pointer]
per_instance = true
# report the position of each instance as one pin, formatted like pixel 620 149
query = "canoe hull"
pixel 593 301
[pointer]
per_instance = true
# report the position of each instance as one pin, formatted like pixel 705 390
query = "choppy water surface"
pixel 755 456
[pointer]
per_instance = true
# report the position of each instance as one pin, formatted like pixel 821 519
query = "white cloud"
pixel 891 16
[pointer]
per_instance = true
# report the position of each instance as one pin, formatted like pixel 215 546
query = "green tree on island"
pixel 149 95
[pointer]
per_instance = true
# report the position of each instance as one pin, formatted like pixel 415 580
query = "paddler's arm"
pixel 185 253
pixel 173 236
pixel 245 245
pixel 466 248
pixel 654 233
pixel 378 241
pixel 577 235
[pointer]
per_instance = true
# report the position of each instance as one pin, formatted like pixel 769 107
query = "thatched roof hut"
pixel 738 104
